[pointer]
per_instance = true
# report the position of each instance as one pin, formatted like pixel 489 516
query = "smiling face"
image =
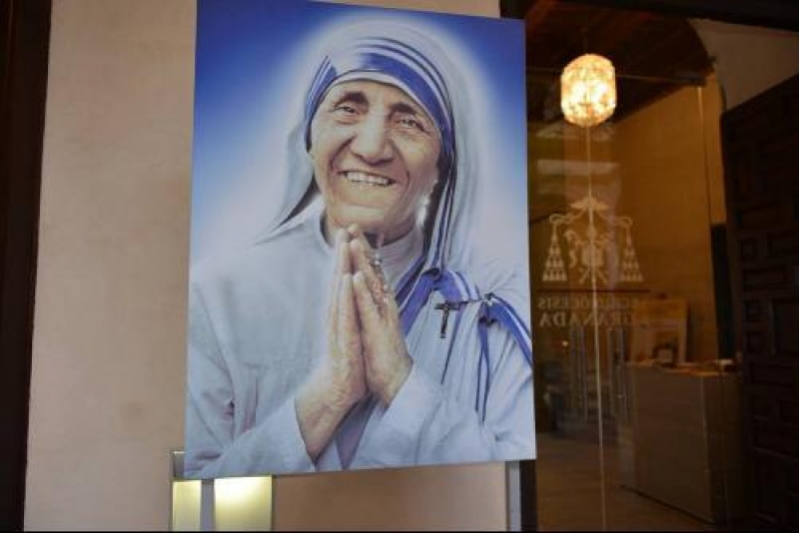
pixel 375 154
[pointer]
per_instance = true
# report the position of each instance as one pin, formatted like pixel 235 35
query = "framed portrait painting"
pixel 359 293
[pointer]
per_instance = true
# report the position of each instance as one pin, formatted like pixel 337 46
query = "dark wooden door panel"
pixel 761 167
pixel 24 41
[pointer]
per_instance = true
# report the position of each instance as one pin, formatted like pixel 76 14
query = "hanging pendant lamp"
pixel 588 90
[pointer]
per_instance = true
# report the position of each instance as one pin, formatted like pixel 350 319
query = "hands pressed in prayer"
pixel 366 346
pixel 338 382
pixel 386 361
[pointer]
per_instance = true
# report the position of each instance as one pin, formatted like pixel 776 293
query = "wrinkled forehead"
pixel 406 63
pixel 375 92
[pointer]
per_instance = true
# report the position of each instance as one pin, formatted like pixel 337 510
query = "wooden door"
pixel 760 147
pixel 24 40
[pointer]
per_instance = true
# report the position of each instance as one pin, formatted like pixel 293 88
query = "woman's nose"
pixel 371 141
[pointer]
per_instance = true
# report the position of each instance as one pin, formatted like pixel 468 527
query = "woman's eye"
pixel 344 109
pixel 411 122
pixel 345 113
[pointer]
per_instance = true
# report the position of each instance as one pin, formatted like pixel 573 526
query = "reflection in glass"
pixel 633 411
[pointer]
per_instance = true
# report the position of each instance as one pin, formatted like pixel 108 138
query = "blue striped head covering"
pixel 396 61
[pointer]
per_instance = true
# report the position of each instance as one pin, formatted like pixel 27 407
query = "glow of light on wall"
pixel 228 504
pixel 243 503
pixel 186 505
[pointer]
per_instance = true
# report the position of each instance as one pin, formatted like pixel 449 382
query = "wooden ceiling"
pixel 653 54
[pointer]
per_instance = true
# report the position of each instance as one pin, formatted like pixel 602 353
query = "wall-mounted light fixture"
pixel 588 90
pixel 229 504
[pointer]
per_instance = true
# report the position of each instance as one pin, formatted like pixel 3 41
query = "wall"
pixel 748 60
pixel 665 188
pixel 108 371
pixel 107 386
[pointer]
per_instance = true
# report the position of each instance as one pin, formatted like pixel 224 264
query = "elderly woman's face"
pixel 375 154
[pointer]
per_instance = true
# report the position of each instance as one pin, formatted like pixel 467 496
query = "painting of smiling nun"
pixel 359 331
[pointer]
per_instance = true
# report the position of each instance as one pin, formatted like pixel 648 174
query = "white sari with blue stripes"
pixel 257 331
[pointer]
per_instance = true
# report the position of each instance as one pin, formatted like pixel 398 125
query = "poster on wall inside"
pixel 359 292
pixel 659 331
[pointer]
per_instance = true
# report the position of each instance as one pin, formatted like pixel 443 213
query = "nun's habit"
pixel 257 317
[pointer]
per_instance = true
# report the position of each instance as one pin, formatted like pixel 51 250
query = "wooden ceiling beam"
pixel 536 15
pixel 779 14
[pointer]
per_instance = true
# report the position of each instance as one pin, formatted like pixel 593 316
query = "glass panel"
pixel 637 421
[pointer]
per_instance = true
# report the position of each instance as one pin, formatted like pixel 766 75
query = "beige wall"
pixel 108 366
pixel 107 381
pixel 665 187
pixel 748 60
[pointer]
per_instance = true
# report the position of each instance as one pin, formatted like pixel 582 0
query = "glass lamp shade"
pixel 588 90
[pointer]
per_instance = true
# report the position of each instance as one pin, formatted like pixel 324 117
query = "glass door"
pixel 636 394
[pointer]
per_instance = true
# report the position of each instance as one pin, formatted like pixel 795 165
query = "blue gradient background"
pixel 251 58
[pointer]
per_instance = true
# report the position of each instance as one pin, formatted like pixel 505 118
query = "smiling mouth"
pixel 366 178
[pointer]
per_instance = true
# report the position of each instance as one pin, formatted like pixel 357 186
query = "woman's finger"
pixel 355 233
pixel 368 311
pixel 347 320
pixel 341 266
pixel 391 312
pixel 369 246
pixel 373 273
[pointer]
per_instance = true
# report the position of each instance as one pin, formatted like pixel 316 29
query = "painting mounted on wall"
pixel 659 331
pixel 359 293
